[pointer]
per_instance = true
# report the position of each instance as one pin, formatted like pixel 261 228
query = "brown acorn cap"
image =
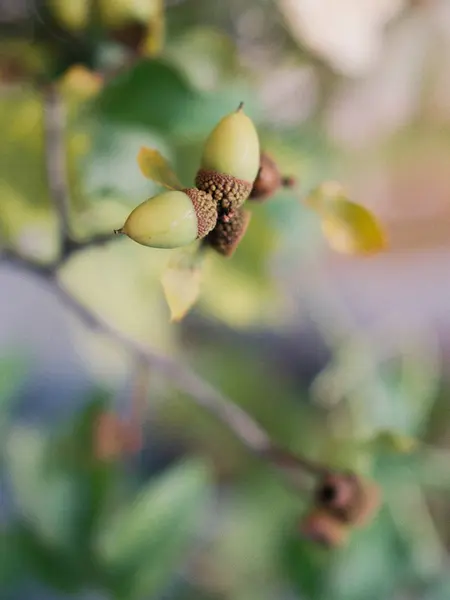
pixel 227 234
pixel 205 209
pixel 322 528
pixel 347 497
pixel 229 193
pixel 268 180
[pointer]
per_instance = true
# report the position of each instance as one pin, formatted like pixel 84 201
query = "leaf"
pixel 181 282
pixel 155 167
pixel 52 500
pixel 154 40
pixel 393 442
pixel 12 371
pixel 80 82
pixel 348 227
pixel 141 547
pixel 46 562
pixel 151 94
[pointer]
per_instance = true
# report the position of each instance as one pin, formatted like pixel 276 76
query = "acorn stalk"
pixel 171 219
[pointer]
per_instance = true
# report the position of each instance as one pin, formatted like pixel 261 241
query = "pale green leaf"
pixel 181 282
pixel 155 167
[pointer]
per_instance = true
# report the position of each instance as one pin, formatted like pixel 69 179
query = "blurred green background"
pixel 341 358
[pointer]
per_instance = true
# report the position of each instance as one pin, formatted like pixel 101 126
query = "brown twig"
pixel 55 160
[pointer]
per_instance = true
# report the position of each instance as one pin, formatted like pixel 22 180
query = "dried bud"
pixel 347 497
pixel 227 234
pixel 322 528
pixel 113 437
pixel 269 179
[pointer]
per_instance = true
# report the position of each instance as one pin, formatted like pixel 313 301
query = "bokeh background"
pixel 344 359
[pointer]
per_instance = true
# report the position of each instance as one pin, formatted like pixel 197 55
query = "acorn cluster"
pixel 212 210
pixel 341 502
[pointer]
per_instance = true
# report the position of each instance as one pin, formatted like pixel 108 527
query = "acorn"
pixel 347 497
pixel 171 219
pixel 269 179
pixel 230 161
pixel 322 528
pixel 228 233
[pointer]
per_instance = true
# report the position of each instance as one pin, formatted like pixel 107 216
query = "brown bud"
pixel 269 179
pixel 347 497
pixel 114 437
pixel 322 528
pixel 228 233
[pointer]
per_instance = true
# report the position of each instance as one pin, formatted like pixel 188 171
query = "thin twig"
pixel 55 161
pixel 205 395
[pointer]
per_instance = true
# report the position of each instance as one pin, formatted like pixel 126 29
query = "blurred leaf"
pixel 155 167
pixel 156 28
pixel 73 15
pixel 142 546
pixel 80 82
pixel 348 227
pixel 206 55
pixel 152 94
pixel 47 563
pixel 49 499
pixel 12 371
pixel 306 566
pixel 393 442
pixel 181 281
pixel 11 558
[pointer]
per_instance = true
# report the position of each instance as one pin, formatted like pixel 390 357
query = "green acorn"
pixel 171 219
pixel 230 161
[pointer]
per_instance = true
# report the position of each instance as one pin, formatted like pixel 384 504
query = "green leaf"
pixel 152 94
pixel 11 558
pixel 47 563
pixel 50 499
pixel 348 227
pixel 12 371
pixel 181 281
pixel 141 547
pixel 155 167
pixel 393 442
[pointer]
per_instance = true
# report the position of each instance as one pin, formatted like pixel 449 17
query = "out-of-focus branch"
pixel 55 160
pixel 56 167
pixel 205 395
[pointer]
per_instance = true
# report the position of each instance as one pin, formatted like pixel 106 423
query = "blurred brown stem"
pixel 56 167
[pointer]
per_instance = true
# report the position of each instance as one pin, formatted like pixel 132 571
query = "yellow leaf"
pixel 392 442
pixel 156 29
pixel 181 281
pixel 348 227
pixel 155 167
pixel 81 82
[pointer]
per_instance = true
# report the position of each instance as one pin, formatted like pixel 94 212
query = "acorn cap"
pixel 227 235
pixel 322 528
pixel 347 497
pixel 232 147
pixel 171 219
pixel 268 180
pixel 229 192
